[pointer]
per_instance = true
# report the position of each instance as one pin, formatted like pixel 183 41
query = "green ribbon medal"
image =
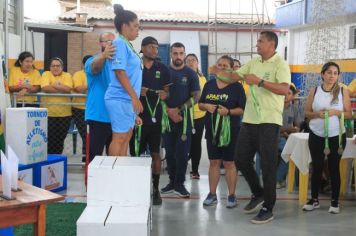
pixel 185 121
pixel 138 130
pixel 132 48
pixel 191 113
pixel 256 105
pixel 326 133
pixel 152 112
pixel 340 150
pixel 225 132
pixel 165 120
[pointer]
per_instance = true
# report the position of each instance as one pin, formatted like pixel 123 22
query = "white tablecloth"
pixel 298 150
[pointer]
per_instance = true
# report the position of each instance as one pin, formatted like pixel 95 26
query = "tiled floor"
pixel 189 218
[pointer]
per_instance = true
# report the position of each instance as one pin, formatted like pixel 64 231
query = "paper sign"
pixel 14 163
pixel 6 176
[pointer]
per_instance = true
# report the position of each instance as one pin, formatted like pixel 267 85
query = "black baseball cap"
pixel 148 40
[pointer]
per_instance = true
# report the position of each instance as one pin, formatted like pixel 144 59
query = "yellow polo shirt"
pixel 57 110
pixel 197 112
pixel 274 70
pixel 79 79
pixel 17 77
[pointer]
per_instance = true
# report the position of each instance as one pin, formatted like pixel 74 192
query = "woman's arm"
pixel 125 82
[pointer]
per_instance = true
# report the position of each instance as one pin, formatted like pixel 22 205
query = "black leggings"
pixel 78 117
pixel 57 133
pixel 195 147
pixel 316 147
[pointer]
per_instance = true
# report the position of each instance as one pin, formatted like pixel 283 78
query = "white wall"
pixel 39 45
pixel 298 44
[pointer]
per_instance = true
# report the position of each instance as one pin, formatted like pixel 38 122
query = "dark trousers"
pixel 78 117
pixel 100 136
pixel 57 133
pixel 177 152
pixel 316 147
pixel 195 147
pixel 261 138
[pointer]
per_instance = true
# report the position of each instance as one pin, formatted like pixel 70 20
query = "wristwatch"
pixel 261 83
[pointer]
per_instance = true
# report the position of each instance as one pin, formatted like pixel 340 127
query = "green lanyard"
pixel 225 133
pixel 132 48
pixel 340 150
pixel 138 130
pixel 152 113
pixel 165 120
pixel 185 121
pixel 326 133
pixel 191 111
pixel 254 101
pixel 214 127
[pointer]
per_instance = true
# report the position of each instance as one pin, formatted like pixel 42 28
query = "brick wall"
pixel 79 45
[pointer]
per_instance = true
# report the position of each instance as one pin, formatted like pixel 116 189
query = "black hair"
pixel 122 17
pixel 226 57
pixel 271 36
pixel 191 55
pixel 196 58
pixel 85 58
pixel 336 88
pixel 293 89
pixel 22 57
pixel 177 45
pixel 237 61
pixel 56 59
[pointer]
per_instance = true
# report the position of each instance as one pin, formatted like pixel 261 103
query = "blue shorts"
pixel 122 115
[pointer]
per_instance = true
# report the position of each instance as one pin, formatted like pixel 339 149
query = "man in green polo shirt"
pixel 269 77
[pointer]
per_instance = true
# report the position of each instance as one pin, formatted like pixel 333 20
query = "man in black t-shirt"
pixel 183 93
pixel 155 86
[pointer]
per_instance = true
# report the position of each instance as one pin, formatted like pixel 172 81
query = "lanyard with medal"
pixel 185 119
pixel 225 132
pixel 326 133
pixel 138 139
pixel 153 111
pixel 132 48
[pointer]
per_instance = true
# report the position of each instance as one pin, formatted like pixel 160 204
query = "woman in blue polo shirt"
pixel 122 96
pixel 225 104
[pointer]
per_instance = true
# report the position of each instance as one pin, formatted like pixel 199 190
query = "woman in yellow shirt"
pixel 191 60
pixel 24 78
pixel 59 116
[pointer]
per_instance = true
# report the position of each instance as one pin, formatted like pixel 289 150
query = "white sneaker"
pixel 334 210
pixel 311 205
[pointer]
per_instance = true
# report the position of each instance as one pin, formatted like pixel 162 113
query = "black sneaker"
pixel 168 189
pixel 254 204
pixel 156 198
pixel 311 205
pixel 264 216
pixel 181 191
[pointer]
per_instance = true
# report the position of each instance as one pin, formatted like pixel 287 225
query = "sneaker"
pixel 264 216
pixel 181 191
pixel 168 189
pixel 254 204
pixel 311 205
pixel 231 201
pixel 281 184
pixel 156 198
pixel 334 208
pixel 210 200
pixel 194 175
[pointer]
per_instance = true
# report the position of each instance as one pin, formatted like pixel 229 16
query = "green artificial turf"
pixel 61 220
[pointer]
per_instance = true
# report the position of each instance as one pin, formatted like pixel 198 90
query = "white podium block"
pixel 26 133
pixel 119 181
pixel 115 220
